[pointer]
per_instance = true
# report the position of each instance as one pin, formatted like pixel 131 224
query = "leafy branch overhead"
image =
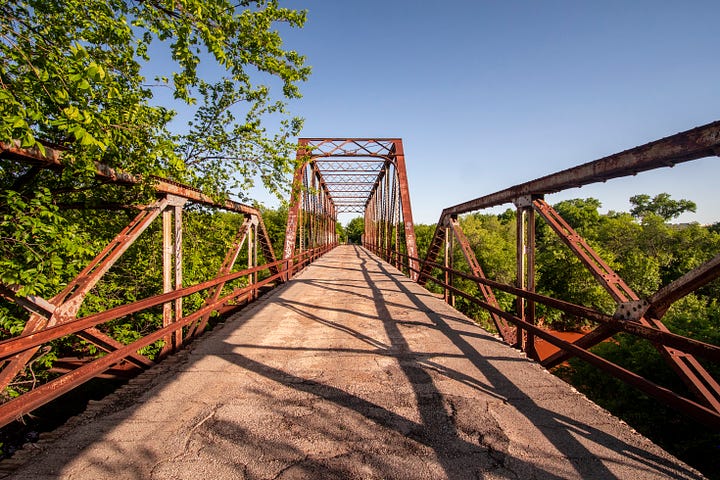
pixel 73 75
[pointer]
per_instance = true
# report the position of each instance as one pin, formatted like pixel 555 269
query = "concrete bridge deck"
pixel 349 371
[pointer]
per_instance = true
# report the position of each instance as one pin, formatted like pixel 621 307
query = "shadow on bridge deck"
pixel 349 371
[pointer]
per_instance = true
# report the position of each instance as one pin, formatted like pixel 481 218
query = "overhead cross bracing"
pixel 366 176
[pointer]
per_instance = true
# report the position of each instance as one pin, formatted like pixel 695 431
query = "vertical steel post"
pixel 251 252
pixel 451 251
pixel 178 254
pixel 526 269
pixel 172 267
pixel 410 241
pixel 255 256
pixel 167 249
pixel 446 262
pixel 296 196
pixel 520 269
pixel 530 273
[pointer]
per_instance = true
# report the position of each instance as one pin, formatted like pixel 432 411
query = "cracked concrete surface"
pixel 349 371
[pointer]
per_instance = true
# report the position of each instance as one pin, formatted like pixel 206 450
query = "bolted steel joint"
pixel 523 201
pixel 633 310
pixel 175 200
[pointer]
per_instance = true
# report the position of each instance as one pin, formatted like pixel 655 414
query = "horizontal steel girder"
pixel 697 143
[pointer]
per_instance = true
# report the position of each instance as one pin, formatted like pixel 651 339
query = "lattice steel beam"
pixel 354 173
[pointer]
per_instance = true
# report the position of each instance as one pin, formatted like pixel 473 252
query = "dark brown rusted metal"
pixel 368 176
pixel 14 409
pixel 688 368
pixel 225 268
pixel 57 317
pixel 700 412
pixel 67 303
pixel 436 244
pixel 508 332
pixel 693 144
pixel 634 315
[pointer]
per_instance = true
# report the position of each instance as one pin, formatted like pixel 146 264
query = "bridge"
pixel 349 367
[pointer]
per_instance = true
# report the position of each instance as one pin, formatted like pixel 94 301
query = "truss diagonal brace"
pixel 67 303
pixel 507 331
pixel 685 365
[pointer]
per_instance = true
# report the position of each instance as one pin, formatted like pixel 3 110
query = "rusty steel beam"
pixel 685 365
pixel 606 276
pixel 17 407
pixel 67 303
pixel 26 341
pixel 633 315
pixel 508 333
pixel 291 229
pixel 58 317
pixel 230 258
pixel 52 157
pixel 698 411
pixel 108 344
pixel 335 175
pixel 433 253
pixel 689 345
pixel 697 143
pixel 14 151
pixel 525 269
pixel 411 244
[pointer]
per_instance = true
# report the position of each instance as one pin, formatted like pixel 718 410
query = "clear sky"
pixel 489 94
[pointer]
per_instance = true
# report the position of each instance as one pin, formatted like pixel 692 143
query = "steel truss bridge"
pixel 368 176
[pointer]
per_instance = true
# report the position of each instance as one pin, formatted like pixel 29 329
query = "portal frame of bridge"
pixel 351 175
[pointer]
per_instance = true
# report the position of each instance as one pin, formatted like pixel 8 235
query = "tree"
pixel 340 232
pixel 355 229
pixel 661 205
pixel 72 75
pixel 423 236
pixel 275 223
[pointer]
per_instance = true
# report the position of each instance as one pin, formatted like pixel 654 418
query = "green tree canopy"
pixel 355 229
pixel 72 75
pixel 661 205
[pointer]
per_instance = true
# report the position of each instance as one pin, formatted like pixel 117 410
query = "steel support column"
pixel 525 277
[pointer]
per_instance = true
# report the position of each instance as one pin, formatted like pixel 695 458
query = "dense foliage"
pixel 74 77
pixel 354 230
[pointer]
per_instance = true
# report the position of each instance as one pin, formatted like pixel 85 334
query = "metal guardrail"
pixel 57 317
pixel 641 317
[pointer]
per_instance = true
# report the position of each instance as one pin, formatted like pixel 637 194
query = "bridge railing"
pixel 29 342
pixel 169 319
pixel 641 317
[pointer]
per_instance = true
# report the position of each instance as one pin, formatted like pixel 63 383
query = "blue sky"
pixel 489 94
